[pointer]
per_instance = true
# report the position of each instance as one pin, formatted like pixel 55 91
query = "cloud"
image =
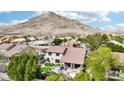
pixel 36 13
pixel 120 24
pixel 13 22
pixel 103 16
pixel 4 12
pixel 117 27
pixel 84 17
pixel 80 16
pixel 110 28
pixel 87 17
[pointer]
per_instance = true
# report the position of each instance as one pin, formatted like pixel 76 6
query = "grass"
pixel 122 68
pixel 45 69
pixel 48 67
pixel 51 65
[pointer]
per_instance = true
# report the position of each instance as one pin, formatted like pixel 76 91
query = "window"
pixel 49 53
pixel 48 59
pixel 57 54
pixel 57 61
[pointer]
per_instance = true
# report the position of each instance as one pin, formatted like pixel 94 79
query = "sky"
pixel 105 20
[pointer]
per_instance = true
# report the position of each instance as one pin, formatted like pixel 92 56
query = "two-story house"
pixel 54 53
pixel 69 56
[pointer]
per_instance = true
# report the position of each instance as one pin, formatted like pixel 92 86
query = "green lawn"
pixel 48 67
pixel 45 69
pixel 51 65
pixel 122 68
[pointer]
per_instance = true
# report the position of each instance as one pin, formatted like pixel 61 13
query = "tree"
pixel 22 67
pixel 115 47
pixel 100 61
pixel 57 41
pixel 31 68
pixel 95 41
pixel 82 76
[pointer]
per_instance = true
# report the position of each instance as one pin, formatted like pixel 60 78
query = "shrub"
pixel 63 78
pixel 53 77
pixel 57 41
pixel 82 76
pixel 57 77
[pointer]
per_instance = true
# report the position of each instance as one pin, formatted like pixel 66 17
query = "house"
pixel 18 40
pixel 13 49
pixel 39 45
pixel 68 56
pixel 70 43
pixel 16 49
pixel 73 57
pixel 31 38
pixel 68 38
pixel 9 49
pixel 5 47
pixel 4 40
pixel 54 53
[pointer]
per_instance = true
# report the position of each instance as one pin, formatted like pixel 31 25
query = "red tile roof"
pixel 74 55
pixel 56 49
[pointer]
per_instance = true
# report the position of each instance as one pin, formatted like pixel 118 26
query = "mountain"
pixel 49 24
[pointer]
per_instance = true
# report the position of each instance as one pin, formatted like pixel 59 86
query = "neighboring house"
pixel 31 38
pixel 18 40
pixel 40 46
pixel 6 40
pixel 69 56
pixel 68 38
pixel 5 47
pixel 70 43
pixel 9 49
pixel 16 49
pixel 39 43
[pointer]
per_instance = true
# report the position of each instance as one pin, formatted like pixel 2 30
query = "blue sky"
pixel 100 19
